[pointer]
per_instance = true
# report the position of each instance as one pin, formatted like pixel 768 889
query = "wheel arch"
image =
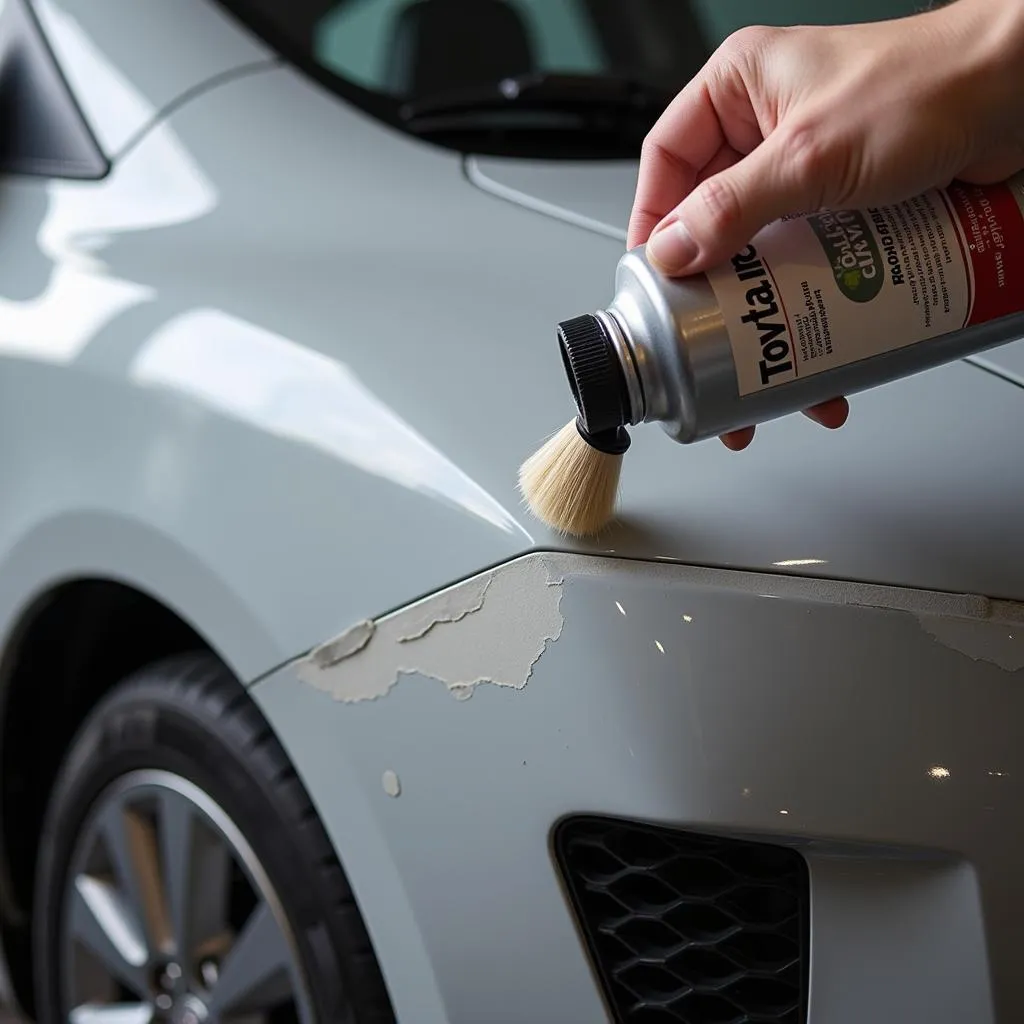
pixel 71 630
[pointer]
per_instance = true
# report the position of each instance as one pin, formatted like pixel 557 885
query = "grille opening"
pixel 701 923
pixel 768 905
pixel 651 936
pixel 640 848
pixel 654 1015
pixel 699 876
pixel 689 929
pixel 773 994
pixel 761 950
pixel 644 893
pixel 648 982
pixel 598 863
pixel 710 1009
pixel 713 967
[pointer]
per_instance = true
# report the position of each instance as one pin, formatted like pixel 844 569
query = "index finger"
pixel 682 142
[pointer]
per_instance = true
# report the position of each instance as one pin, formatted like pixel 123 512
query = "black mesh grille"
pixel 689 928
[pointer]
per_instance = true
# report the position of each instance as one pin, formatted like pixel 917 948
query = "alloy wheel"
pixel 169 918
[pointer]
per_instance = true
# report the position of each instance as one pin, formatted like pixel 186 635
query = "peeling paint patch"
pixel 352 641
pixel 458 603
pixel 997 637
pixel 491 629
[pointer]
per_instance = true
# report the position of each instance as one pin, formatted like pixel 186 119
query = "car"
pixel 303 716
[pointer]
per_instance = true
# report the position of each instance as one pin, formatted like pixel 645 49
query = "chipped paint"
pixel 352 641
pixel 491 629
pixel 996 637
pixel 456 605
pixel 391 783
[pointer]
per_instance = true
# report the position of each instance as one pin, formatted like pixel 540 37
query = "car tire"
pixel 178 735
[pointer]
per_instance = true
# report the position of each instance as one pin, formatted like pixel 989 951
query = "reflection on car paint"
pixel 158 185
pixel 283 388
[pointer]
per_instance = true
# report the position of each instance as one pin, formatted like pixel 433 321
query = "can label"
pixel 813 292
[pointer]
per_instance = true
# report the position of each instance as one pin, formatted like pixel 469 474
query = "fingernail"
pixel 672 247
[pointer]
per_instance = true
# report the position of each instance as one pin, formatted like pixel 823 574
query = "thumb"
pixel 722 214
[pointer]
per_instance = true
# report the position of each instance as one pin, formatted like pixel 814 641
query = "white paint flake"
pixel 343 646
pixel 391 783
pixel 491 629
pixel 996 636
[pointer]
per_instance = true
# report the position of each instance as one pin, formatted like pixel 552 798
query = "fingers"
pixel 737 440
pixel 686 137
pixel 724 158
pixel 721 215
pixel 831 414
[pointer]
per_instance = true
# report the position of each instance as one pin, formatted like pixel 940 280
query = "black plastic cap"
pixel 611 442
pixel 595 376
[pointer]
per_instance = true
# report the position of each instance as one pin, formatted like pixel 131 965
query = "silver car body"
pixel 277 371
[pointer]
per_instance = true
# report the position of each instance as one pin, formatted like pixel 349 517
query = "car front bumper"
pixel 875 728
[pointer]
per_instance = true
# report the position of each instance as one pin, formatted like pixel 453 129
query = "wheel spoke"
pixel 209 891
pixel 176 837
pixel 102 920
pixel 122 1013
pixel 255 975
pixel 132 845
pixel 196 879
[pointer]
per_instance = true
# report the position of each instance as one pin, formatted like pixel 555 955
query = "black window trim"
pixel 382 107
pixel 389 110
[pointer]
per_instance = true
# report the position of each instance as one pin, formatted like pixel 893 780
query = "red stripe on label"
pixel 993 227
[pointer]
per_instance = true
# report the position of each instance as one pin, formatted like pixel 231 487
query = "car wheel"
pixel 184 876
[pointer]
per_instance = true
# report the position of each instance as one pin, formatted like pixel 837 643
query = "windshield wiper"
pixel 586 98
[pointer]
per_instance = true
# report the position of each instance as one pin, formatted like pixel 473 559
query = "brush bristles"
pixel 569 485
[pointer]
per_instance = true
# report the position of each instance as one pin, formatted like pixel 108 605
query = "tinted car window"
pixel 588 77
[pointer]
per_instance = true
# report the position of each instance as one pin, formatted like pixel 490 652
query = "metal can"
pixel 817 306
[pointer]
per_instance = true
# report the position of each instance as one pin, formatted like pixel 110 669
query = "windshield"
pixel 392 55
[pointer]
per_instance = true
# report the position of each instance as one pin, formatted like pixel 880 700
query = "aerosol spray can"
pixel 817 306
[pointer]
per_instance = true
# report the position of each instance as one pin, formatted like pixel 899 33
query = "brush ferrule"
pixel 619 341
pixel 612 442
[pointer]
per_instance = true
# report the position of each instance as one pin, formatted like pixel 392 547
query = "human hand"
pixel 832 414
pixel 801 119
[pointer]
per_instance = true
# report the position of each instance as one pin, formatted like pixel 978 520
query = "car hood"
pixel 922 487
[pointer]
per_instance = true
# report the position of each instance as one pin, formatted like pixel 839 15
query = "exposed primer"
pixel 997 637
pixel 462 602
pixel 391 783
pixel 490 629
pixel 353 640
pixel 493 628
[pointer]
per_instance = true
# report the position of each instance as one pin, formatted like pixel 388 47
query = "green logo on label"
pixel 850 248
